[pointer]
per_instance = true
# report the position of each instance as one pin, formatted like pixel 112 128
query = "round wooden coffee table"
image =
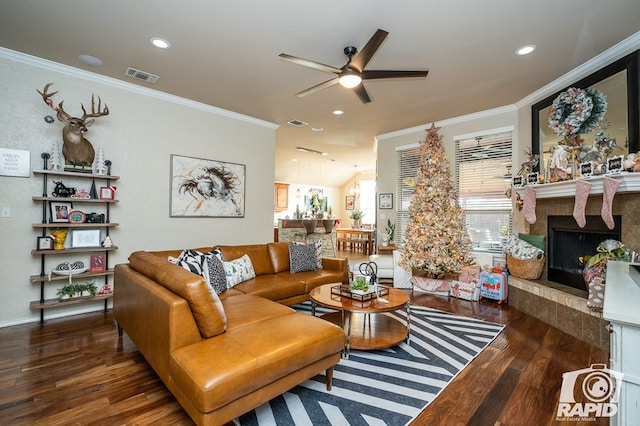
pixel 365 323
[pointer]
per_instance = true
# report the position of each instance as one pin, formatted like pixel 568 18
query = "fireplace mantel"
pixel 629 182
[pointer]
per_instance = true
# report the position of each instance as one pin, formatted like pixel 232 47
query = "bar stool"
pixel 310 227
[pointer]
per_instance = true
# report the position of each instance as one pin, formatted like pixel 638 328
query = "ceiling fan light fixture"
pixel 349 79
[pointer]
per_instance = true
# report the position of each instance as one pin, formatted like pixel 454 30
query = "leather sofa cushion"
pixel 258 253
pixel 313 279
pixel 216 372
pixel 279 253
pixel 247 309
pixel 204 303
pixel 273 286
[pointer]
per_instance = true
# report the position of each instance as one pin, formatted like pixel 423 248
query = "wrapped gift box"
pixel 465 290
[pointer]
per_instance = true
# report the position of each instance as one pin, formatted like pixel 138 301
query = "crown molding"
pixel 449 121
pixel 129 87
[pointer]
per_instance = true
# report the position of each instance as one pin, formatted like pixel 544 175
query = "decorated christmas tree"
pixel 435 241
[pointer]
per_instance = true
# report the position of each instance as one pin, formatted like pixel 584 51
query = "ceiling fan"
pixel 353 73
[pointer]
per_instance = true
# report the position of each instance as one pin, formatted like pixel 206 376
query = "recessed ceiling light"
pixel 338 112
pixel 91 60
pixel 525 50
pixel 317 129
pixel 161 43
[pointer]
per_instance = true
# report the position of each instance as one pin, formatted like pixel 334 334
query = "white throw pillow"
pixel 239 270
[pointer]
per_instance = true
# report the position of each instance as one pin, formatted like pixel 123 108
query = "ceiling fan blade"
pixel 378 74
pixel 317 87
pixel 362 93
pixel 310 64
pixel 363 57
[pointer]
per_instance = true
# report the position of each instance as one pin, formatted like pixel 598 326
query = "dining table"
pixel 355 239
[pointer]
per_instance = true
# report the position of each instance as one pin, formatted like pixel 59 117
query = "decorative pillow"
pixel 195 262
pixel 521 249
pixel 217 275
pixel 302 257
pixel 239 270
pixel 318 249
pixel 207 265
pixel 534 240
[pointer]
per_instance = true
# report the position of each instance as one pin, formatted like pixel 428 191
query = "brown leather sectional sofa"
pixel 223 356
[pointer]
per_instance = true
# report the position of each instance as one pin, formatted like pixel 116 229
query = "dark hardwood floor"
pixel 76 371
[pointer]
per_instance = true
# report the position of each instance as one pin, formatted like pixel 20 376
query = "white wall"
pixel 139 135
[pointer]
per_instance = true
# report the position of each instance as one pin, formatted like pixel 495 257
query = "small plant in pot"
pixel 359 285
pixel 87 289
pixel 389 233
pixel 66 292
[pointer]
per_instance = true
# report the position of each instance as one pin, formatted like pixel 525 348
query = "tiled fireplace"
pixel 562 305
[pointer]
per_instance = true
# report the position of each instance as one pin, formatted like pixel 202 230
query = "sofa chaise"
pixel 221 356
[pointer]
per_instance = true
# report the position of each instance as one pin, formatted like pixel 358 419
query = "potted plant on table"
pixel 356 215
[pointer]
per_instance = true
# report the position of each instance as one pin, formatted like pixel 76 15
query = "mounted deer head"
pixel 76 149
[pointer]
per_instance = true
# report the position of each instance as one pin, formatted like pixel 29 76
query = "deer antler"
pixel 93 109
pixel 46 97
pixel 62 115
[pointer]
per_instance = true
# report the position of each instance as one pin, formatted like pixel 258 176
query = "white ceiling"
pixel 225 54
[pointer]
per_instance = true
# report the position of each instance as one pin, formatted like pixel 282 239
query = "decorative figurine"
pixel 59 235
pixel 62 191
pixel 77 150
pixel 107 242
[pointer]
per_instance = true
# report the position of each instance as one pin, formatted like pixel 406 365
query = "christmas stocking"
pixel 582 193
pixel 610 188
pixel 530 205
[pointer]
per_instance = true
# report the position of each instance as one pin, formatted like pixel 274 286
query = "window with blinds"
pixel 483 173
pixel 408 164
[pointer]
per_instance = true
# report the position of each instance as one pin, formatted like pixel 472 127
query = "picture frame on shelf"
pixel 97 263
pixel 107 193
pixel 77 216
pixel 349 202
pixel 45 243
pixel 84 238
pixel 385 201
pixel 60 211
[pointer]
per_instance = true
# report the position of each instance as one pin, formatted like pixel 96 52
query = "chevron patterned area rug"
pixel 384 387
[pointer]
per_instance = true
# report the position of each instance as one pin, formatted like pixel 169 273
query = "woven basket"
pixel 529 269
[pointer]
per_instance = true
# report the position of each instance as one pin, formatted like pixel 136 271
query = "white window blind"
pixel 483 166
pixel 408 164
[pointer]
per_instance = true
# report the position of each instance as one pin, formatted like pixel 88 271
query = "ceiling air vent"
pixel 141 75
pixel 297 123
